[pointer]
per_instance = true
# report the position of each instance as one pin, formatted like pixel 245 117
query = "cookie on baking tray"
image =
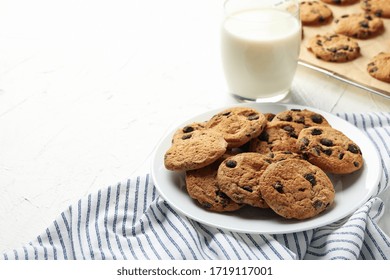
pixel 334 48
pixel 196 150
pixel 239 175
pixel 379 67
pixel 340 2
pixel 330 150
pixel 296 189
pixel 380 8
pixel 277 136
pixel 202 185
pixel 238 125
pixel 360 26
pixel 314 12
pixel 301 116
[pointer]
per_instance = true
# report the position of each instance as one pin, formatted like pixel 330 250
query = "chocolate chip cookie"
pixel 296 189
pixel 330 149
pixel 380 8
pixel 198 149
pixel 360 26
pixel 239 177
pixel 379 67
pixel 238 125
pixel 334 48
pixel 301 116
pixel 202 185
pixel 314 12
pixel 277 136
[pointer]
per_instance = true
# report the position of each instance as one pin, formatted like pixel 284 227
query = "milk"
pixel 260 48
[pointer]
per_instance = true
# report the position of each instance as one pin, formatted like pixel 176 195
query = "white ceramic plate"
pixel 352 190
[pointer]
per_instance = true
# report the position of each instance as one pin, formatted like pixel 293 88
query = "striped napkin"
pixel 131 221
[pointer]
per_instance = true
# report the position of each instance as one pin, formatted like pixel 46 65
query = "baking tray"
pixel 353 72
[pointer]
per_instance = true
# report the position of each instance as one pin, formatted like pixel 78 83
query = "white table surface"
pixel 88 88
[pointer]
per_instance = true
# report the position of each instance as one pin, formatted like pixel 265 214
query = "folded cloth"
pixel 131 221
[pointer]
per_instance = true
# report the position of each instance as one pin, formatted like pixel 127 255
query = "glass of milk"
pixel 260 42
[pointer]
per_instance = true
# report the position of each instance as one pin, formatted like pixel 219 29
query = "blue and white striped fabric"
pixel 131 221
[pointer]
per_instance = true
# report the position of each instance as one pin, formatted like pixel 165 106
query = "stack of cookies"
pixel 242 157
pixel 341 41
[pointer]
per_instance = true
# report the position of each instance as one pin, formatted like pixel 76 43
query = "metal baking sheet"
pixel 352 72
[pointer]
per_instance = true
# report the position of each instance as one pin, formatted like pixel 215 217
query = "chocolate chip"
pixel 341 155
pixel 364 24
pixel 316 118
pixel 353 149
pixel 300 120
pixel 356 164
pixel 253 117
pixel 224 199
pixel 317 150
pixel 304 141
pixel 317 204
pixel 287 118
pixel 311 178
pixel 188 129
pixel 296 110
pixel 378 13
pixel 231 163
pixel 186 136
pixel 316 131
pixel 293 135
pixel 278 186
pixel 326 142
pixel 226 114
pixel 373 69
pixel 327 152
pixel 247 188
pixel 288 128
pixel 206 205
pixel 221 194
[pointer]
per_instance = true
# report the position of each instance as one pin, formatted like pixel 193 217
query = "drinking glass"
pixel 260 42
